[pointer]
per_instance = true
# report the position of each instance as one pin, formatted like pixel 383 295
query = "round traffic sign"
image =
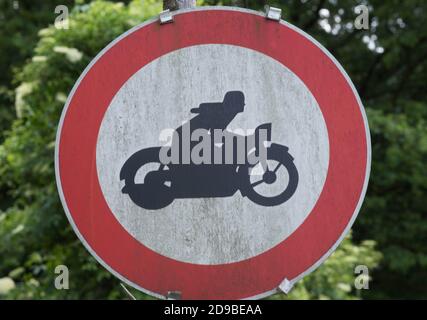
pixel 215 156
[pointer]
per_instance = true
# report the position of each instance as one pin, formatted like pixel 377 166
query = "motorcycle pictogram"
pixel 180 181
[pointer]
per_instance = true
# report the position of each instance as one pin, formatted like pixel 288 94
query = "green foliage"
pixel 395 209
pixel 387 64
pixel 18 36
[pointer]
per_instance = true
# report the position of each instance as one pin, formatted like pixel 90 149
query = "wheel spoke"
pixel 277 167
pixel 257 183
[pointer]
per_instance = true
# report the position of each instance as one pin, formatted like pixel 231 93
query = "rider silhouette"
pixel 218 115
pixel 213 115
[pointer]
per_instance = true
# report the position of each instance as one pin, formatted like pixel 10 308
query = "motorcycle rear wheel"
pixel 152 194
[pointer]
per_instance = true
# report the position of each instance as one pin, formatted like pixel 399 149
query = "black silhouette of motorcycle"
pixel 177 181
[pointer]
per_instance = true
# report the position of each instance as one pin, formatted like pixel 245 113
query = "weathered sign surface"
pixel 215 156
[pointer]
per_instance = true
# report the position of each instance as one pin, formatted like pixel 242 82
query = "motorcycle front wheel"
pixel 274 184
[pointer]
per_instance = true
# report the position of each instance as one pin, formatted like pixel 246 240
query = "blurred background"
pixel 387 62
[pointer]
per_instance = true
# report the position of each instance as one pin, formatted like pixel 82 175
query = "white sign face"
pixel 213 229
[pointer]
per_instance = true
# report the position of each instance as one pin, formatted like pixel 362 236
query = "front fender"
pixel 283 149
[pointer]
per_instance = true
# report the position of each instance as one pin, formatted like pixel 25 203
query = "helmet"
pixel 235 100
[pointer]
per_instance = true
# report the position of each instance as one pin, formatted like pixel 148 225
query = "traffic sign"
pixel 217 156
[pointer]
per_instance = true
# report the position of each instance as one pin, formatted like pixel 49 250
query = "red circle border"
pixel 149 271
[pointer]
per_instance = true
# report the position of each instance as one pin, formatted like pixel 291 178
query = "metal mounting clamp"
pixel 166 17
pixel 173 295
pixel 286 286
pixel 273 13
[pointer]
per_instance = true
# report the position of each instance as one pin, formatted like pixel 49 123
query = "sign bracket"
pixel 174 295
pixel 273 13
pixel 286 286
pixel 165 16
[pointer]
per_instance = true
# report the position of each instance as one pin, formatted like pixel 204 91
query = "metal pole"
pixel 173 5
